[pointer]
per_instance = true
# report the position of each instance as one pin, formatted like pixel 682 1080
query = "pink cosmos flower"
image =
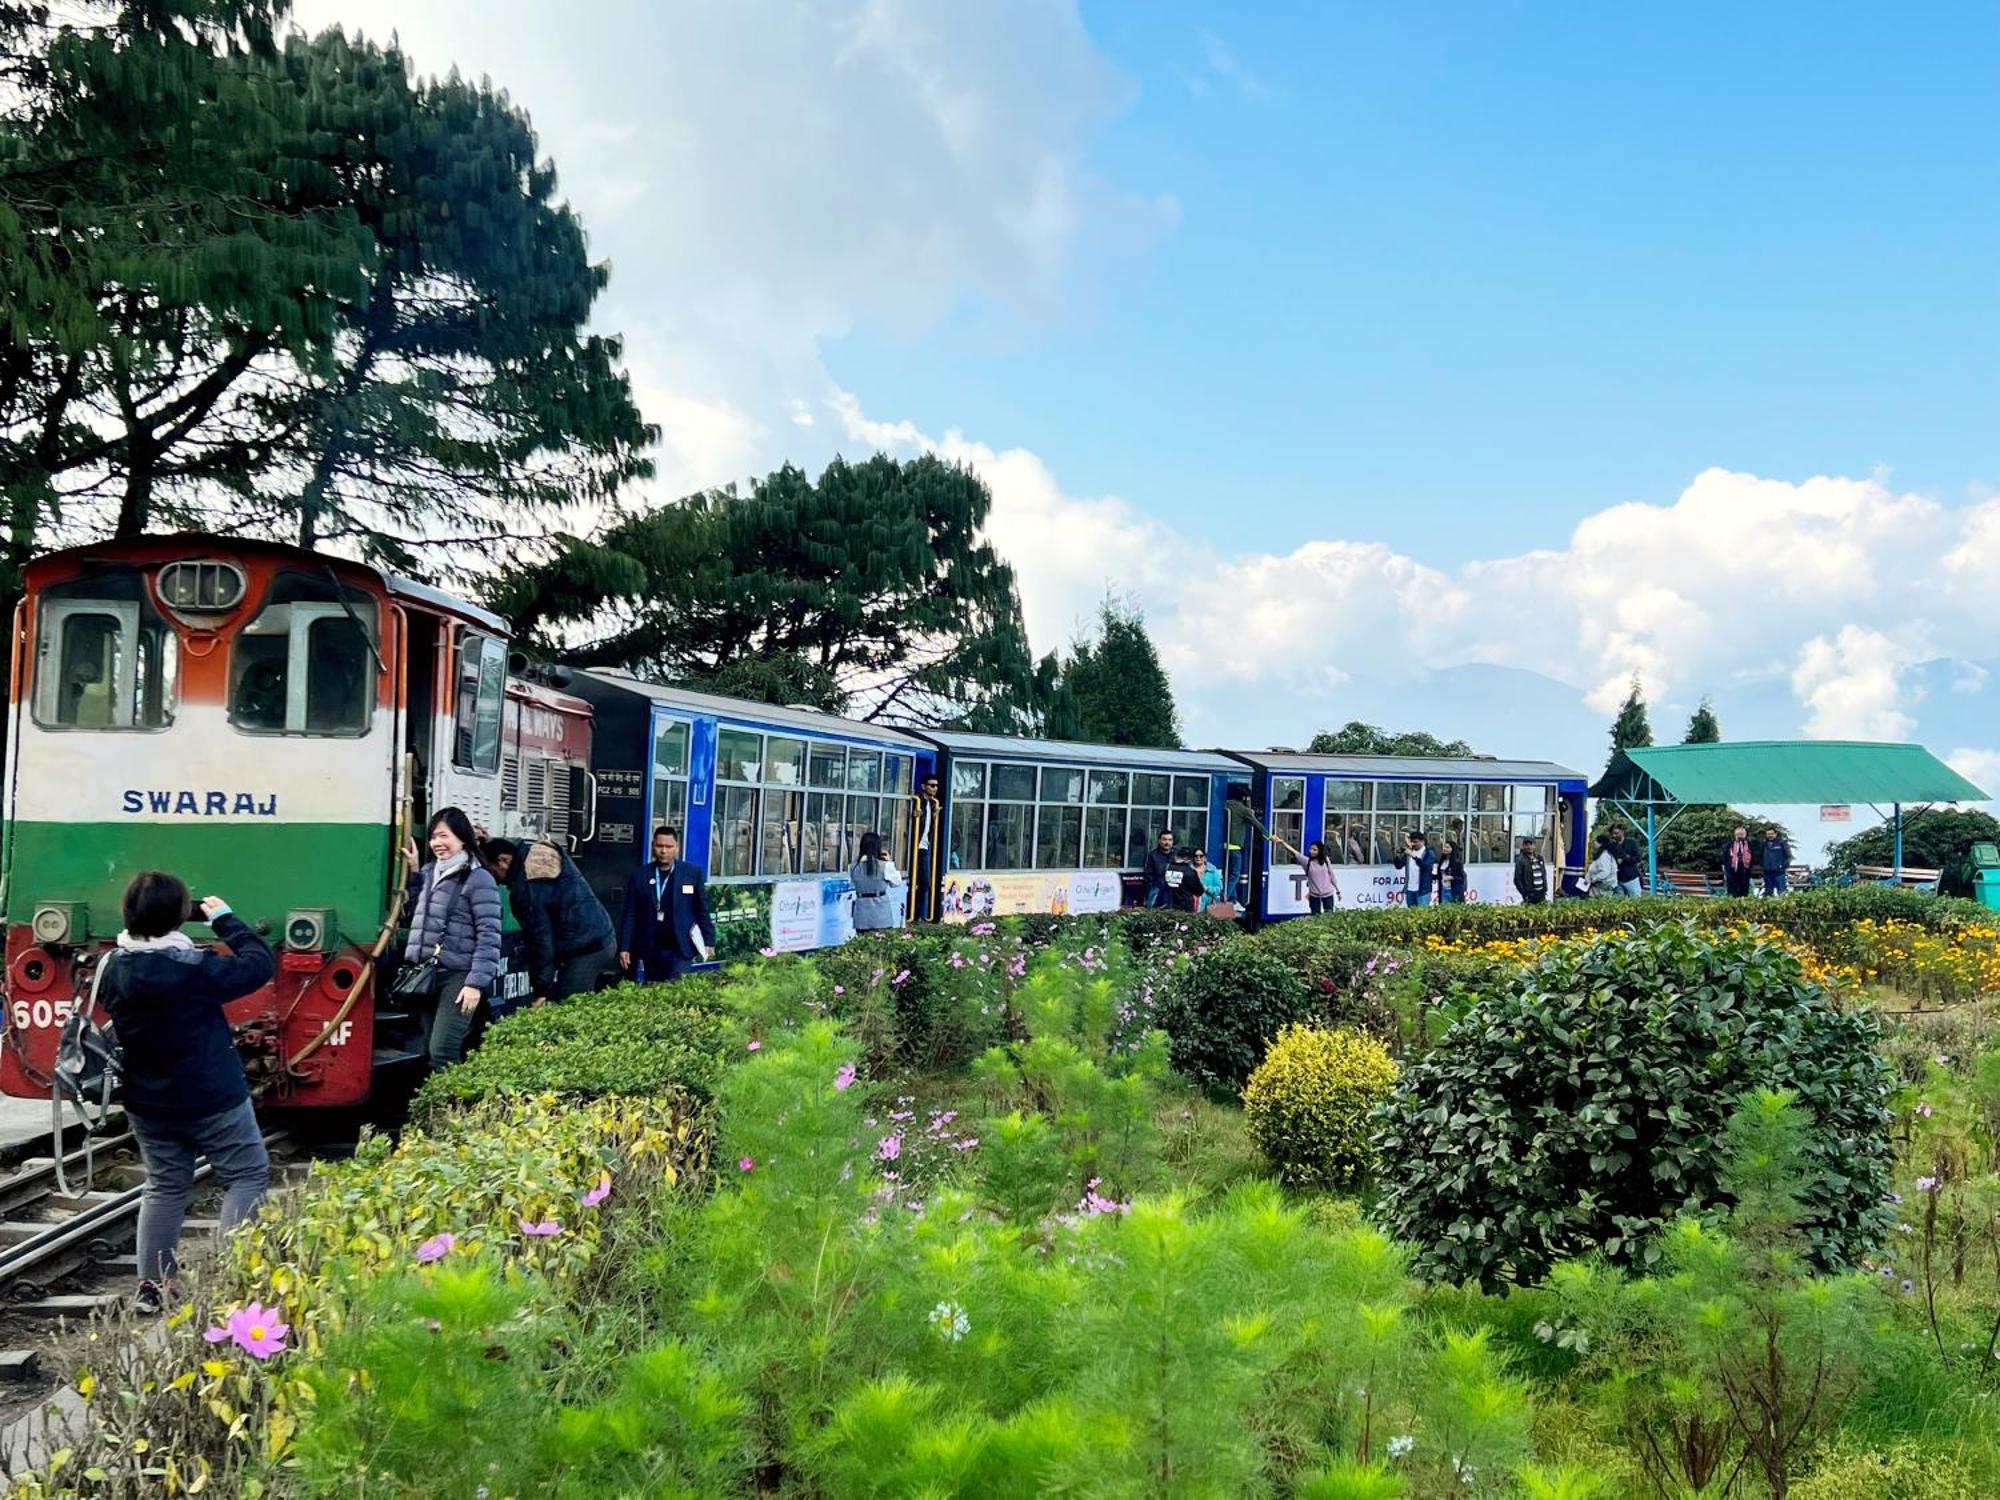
pixel 767 952
pixel 755 1046
pixel 435 1247
pixel 840 989
pixel 599 1193
pixel 981 929
pixel 541 1230
pixel 844 1079
pixel 747 1164
pixel 901 975
pixel 255 1330
pixel 889 1148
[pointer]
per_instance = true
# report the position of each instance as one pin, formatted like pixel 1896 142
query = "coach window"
pixel 1010 817
pixel 1288 815
pixel 896 783
pixel 968 813
pixel 1152 811
pixel 1190 820
pixel 1531 812
pixel 670 773
pixel 1104 817
pixel 305 664
pixel 739 770
pixel 1345 831
pixel 1445 807
pixel 104 658
pixel 825 820
pixel 482 687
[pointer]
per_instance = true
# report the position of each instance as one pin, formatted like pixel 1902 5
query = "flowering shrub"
pixel 1577 1109
pixel 1307 1104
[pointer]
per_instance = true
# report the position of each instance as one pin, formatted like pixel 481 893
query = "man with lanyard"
pixel 923 861
pixel 1531 873
pixel 665 928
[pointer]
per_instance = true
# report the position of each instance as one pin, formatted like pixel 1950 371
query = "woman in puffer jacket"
pixel 457 904
pixel 569 934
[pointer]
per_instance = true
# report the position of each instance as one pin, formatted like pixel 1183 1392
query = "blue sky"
pixel 1440 365
pixel 1454 277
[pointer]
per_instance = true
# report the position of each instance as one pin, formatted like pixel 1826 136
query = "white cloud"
pixel 1980 767
pixel 1222 59
pixel 1852 686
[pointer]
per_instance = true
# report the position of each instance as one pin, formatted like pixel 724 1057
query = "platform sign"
pixel 1835 812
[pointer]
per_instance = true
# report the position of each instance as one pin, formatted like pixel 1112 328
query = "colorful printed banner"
pixel 1364 886
pixel 969 894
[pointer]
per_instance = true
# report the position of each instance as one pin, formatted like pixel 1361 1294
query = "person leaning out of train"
pixel 1418 862
pixel 456 917
pixel 569 934
pixel 185 1093
pixel 1531 874
pixel 878 887
pixel 1450 874
pixel 665 927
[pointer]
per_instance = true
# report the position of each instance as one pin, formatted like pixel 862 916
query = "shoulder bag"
pixel 419 980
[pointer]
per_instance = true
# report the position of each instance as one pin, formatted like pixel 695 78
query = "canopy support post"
pixel 1652 853
pixel 1899 843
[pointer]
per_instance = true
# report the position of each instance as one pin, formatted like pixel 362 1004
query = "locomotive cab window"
pixel 306 663
pixel 482 687
pixel 105 659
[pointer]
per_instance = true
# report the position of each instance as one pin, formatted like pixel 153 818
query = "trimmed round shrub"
pixel 1307 1104
pixel 1580 1107
pixel 1222 1008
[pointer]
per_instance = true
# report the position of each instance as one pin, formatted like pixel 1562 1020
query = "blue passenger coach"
pixel 1053 826
pixel 1362 807
pixel 771 801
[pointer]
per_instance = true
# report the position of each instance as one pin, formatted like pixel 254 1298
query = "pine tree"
pixel 1631 730
pixel 1121 692
pixel 1703 726
pixel 876 574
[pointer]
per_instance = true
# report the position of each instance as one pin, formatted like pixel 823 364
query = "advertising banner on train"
pixel 1367 886
pixel 972 894
pixel 791 916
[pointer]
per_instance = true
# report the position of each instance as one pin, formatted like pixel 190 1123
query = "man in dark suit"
pixel 666 905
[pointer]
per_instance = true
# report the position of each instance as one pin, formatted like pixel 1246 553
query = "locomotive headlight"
pixel 309 929
pixel 60 922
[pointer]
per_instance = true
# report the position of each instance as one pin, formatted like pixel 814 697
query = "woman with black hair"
pixel 185 1093
pixel 456 920
pixel 878 887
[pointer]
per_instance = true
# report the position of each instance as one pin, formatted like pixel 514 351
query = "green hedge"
pixel 634 1039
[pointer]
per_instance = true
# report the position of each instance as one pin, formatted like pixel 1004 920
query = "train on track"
pixel 268 722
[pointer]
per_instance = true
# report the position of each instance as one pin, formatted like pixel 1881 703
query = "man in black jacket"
pixel 569 935
pixel 1531 874
pixel 1159 890
pixel 666 905
pixel 185 1093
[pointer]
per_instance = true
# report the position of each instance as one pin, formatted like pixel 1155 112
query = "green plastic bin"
pixel 1986 888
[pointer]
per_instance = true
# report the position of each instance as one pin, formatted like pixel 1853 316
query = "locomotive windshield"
pixel 104 657
pixel 306 663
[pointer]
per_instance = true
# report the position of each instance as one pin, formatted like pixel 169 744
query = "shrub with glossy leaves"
pixel 1308 1103
pixel 1223 1007
pixel 1580 1107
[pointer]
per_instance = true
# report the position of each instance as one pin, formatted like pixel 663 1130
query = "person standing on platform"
pixel 1450 874
pixel 1418 862
pixel 456 921
pixel 1601 879
pixel 1183 884
pixel 570 938
pixel 1776 860
pixel 1322 889
pixel 1738 858
pixel 878 888
pixel 1210 878
pixel 1531 874
pixel 665 928
pixel 1625 850
pixel 1158 863
pixel 927 823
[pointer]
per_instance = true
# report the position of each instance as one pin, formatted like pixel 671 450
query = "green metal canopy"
pixel 1656 783
pixel 1798 771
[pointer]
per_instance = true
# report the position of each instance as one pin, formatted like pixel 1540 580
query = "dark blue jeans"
pixel 234 1146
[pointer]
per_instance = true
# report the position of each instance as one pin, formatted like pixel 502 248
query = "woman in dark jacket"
pixel 569 934
pixel 185 1094
pixel 1451 874
pixel 456 915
